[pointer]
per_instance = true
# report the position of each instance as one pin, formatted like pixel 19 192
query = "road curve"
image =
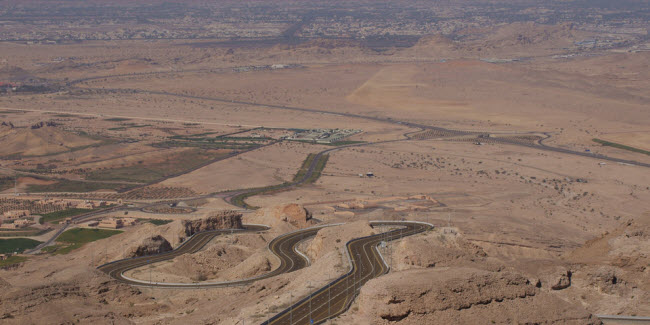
pixel 335 298
pixel 283 247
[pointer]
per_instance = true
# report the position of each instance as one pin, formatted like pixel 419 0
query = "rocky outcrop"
pixel 560 279
pixel 294 214
pixel 606 279
pixel 150 246
pixel 217 220
pixel 463 296
pixel 441 248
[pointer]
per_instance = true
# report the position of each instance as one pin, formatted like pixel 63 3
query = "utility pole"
pixel 291 308
pixel 310 320
pixel 355 287
pixel 150 282
pixel 329 298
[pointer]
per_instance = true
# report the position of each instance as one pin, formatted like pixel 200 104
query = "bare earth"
pixel 522 235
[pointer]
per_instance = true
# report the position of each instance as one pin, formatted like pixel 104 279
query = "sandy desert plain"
pixel 168 130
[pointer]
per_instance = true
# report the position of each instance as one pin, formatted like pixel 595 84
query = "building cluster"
pixel 264 67
pixel 114 223
pixel 323 135
pixel 17 214
pixel 47 205
pixel 16 219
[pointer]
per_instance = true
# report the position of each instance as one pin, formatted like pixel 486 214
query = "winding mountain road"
pixel 283 247
pixel 366 264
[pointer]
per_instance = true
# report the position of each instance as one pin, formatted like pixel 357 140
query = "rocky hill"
pixel 40 139
pixel 216 220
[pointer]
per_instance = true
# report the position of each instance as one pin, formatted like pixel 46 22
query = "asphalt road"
pixel 284 247
pixel 449 132
pixel 80 218
pixel 333 299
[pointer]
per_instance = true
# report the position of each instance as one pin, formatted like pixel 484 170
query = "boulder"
pixel 558 278
pixel 150 246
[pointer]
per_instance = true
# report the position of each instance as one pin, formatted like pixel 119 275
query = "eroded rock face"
pixel 606 280
pixel 463 296
pixel 150 246
pixel 559 278
pixel 217 220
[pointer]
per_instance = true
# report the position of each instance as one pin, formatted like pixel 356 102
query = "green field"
pixel 73 186
pixel 208 144
pixel 59 215
pixel 12 260
pixel 61 249
pixel 305 167
pixel 17 245
pixel 320 165
pixel 85 235
pixel 621 146
pixel 147 172
pixel 25 232
pixel 6 183
pixel 157 222
pixel 128 126
pixel 117 119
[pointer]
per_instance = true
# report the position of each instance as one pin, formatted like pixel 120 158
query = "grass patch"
pixel 621 146
pixel 12 261
pixel 344 143
pixel 28 232
pixel 65 185
pixel 128 126
pixel 59 215
pixel 333 144
pixel 318 169
pixel 85 235
pixel 17 245
pixel 117 119
pixel 61 249
pixel 208 144
pixel 305 167
pixel 6 183
pixel 157 222
pixel 152 171
pixel 134 125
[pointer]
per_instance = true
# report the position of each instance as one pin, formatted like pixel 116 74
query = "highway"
pixel 447 132
pixel 283 247
pixel 335 298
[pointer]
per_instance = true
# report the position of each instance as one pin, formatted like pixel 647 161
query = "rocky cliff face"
pixel 464 296
pixel 150 246
pixel 217 220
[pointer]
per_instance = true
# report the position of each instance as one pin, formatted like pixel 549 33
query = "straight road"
pixel 445 131
pixel 335 298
